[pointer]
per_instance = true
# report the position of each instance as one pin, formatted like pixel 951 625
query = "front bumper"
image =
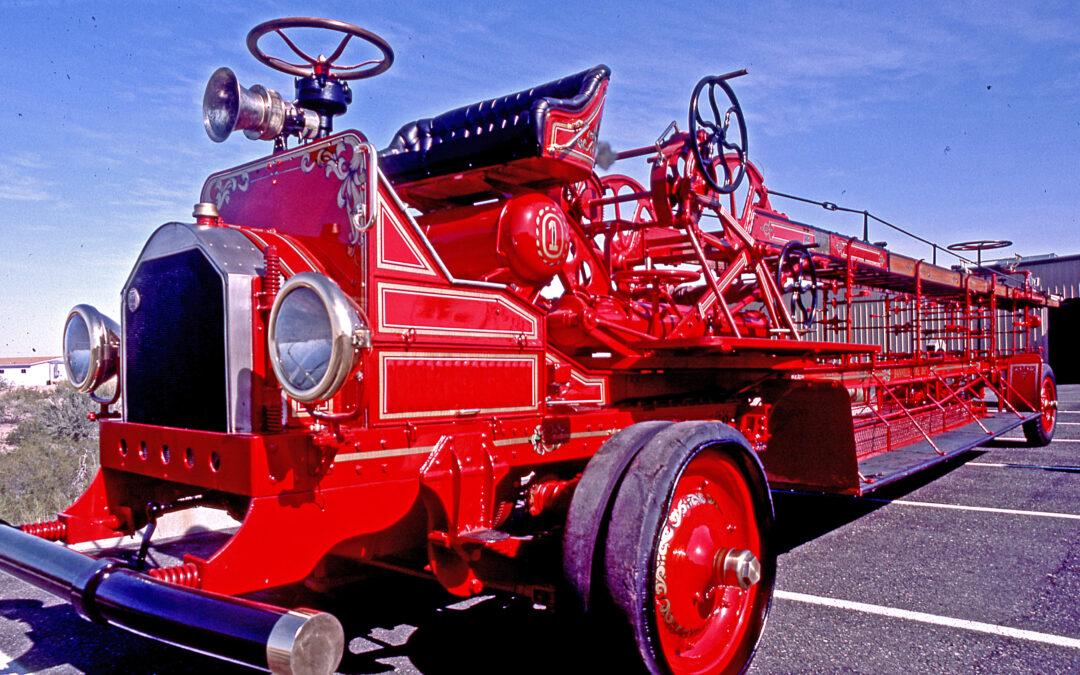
pixel 245 632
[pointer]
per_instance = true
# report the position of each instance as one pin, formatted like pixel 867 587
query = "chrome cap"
pixel 305 642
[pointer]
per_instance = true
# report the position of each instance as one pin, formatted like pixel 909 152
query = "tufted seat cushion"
pixel 486 133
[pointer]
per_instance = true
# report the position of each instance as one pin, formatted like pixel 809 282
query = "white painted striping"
pixel 950 622
pixel 1024 440
pixel 1069 424
pixel 1017 465
pixel 984 509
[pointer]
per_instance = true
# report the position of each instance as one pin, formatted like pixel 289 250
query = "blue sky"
pixel 958 120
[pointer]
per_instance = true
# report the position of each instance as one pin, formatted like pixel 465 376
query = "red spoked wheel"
pixel 688 560
pixel 626 243
pixel 706 569
pixel 1040 431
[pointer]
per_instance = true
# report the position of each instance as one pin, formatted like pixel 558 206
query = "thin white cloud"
pixel 25 160
pixel 21 185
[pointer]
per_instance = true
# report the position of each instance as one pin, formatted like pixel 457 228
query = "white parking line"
pixel 1024 440
pixel 1069 424
pixel 977 626
pixel 984 509
pixel 1064 468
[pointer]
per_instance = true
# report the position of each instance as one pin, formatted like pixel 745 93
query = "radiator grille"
pixel 174 344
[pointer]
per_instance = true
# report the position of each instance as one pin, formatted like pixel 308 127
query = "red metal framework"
pixel 540 363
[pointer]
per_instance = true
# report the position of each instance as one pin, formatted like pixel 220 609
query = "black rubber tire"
pixel 591 507
pixel 1034 432
pixel 639 511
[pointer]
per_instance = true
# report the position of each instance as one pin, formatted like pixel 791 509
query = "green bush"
pixel 50 453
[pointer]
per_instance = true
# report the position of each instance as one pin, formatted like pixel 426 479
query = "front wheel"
pixel 1040 431
pixel 688 561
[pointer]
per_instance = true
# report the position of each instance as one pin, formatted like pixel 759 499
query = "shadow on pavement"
pixel 802 517
pixel 58 638
pixel 397 622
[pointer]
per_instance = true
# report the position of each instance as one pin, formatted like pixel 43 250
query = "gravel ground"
pixel 1012 570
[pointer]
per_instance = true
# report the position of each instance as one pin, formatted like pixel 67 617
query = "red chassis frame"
pixel 456 445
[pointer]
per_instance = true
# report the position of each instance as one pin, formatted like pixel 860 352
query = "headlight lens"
pixel 77 349
pixel 315 333
pixel 91 348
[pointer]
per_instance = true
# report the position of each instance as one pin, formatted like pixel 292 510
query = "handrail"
pixel 867 215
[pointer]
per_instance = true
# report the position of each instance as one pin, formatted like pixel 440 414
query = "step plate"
pixel 896 464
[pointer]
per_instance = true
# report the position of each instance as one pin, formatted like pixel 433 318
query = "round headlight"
pixel 91 348
pixel 314 337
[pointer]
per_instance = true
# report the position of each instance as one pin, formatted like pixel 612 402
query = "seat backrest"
pixel 488 132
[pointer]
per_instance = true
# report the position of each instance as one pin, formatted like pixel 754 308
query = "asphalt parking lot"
pixel 973 568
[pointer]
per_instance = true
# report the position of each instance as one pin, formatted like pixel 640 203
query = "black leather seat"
pixel 485 133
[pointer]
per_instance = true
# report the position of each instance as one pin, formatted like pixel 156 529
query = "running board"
pixel 881 470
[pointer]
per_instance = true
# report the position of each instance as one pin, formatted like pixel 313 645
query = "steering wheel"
pixel 323 64
pixel 712 136
pixel 791 277
pixel 979 245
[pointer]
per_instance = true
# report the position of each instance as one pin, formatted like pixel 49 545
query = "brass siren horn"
pixel 259 112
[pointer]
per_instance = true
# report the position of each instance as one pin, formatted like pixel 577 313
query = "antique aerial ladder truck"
pixel 469 355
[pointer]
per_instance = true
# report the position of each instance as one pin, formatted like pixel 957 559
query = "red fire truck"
pixel 471 356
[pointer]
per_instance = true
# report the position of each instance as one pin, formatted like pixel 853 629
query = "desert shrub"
pixel 51 452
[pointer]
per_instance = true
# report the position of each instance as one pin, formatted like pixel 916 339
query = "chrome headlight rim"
pixel 104 338
pixel 348 333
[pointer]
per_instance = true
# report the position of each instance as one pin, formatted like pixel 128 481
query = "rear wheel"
pixel 688 562
pixel 1040 431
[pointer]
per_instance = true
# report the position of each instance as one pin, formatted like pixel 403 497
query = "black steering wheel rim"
pixel 795 250
pixel 716 142
pixel 312 65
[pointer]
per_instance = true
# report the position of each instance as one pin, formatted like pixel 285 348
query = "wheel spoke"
pixel 340 48
pixel 712 102
pixel 299 52
pixel 283 63
pixel 369 62
pixel 718 140
pixel 708 124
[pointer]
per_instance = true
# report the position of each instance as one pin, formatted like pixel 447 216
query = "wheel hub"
pixel 1049 404
pixel 698 572
pixel 737 567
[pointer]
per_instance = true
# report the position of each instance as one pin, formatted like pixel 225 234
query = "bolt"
pixel 738 567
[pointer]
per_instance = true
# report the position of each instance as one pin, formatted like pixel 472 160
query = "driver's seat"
pixel 540 136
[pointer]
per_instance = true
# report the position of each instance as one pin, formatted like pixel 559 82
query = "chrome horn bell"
pixel 259 112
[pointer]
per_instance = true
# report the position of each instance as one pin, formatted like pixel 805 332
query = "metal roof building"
pixel 1060 275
